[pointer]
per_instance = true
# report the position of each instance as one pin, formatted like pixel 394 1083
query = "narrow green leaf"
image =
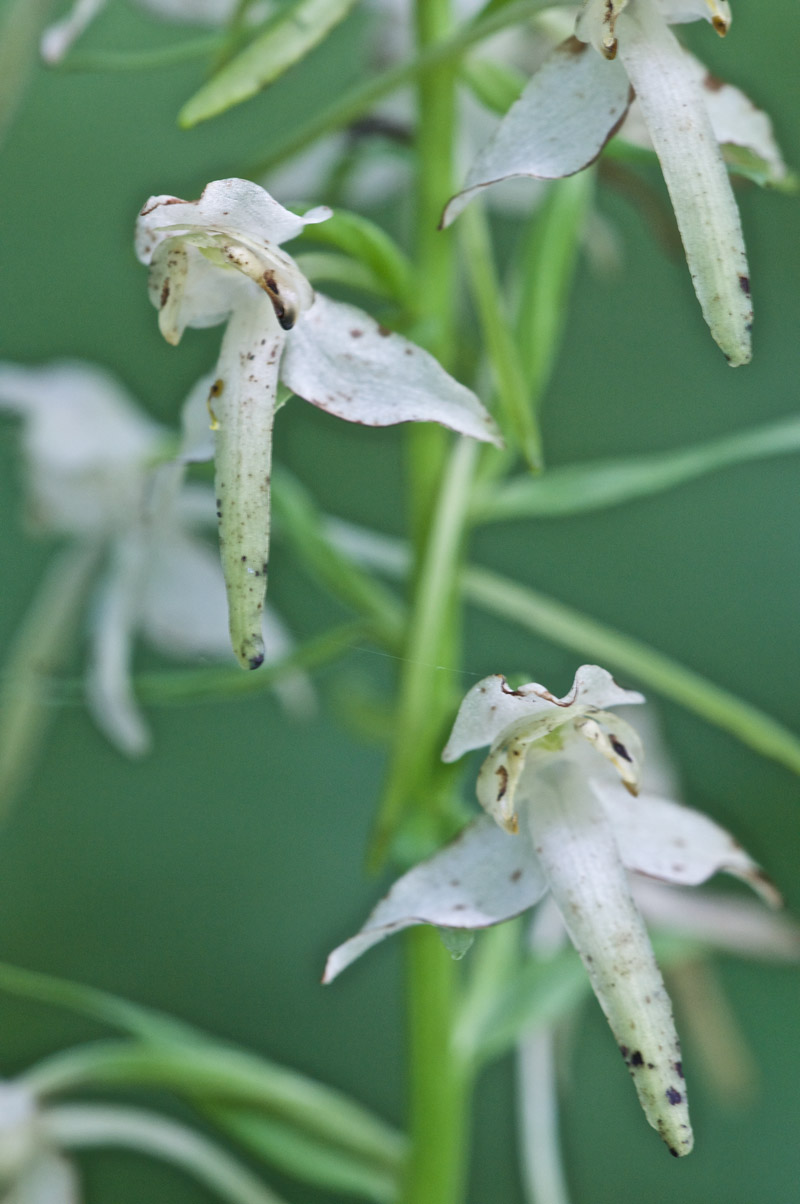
pixel 153 59
pixel 545 278
pixel 519 422
pixel 569 628
pixel 289 37
pixel 369 245
pixel 40 649
pixel 580 487
pixel 93 1004
pixel 294 1153
pixel 204 1071
pixel 328 267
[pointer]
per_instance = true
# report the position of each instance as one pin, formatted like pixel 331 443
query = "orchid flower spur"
pixel 577 100
pixel 99 472
pixel 219 259
pixel 559 786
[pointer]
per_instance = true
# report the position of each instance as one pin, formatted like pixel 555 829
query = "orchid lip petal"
pixel 243 401
pixel 674 110
pixel 578 855
pixel 482 877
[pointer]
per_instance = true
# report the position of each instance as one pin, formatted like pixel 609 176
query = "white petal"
pixel 579 857
pixel 184 607
pixel 559 125
pixel 109 693
pixel 674 109
pixel 197 436
pixel 237 208
pixel 343 361
pixel 49 1179
pixel 492 706
pixel 86 442
pixel 679 12
pixel 482 877
pixel 244 406
pixel 722 921
pixel 188 290
pixel 596 24
pixel 676 844
pixel 618 742
pixel 59 37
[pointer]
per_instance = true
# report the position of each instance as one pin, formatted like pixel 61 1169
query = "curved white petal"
pixel 86 442
pixel 676 844
pixel 492 706
pixel 184 609
pixel 341 360
pixel 59 37
pixel 109 693
pixel 482 877
pixel 674 110
pixel 237 208
pixel 578 855
pixel 197 434
pixel 568 111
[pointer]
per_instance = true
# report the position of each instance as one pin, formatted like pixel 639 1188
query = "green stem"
pixel 439 1091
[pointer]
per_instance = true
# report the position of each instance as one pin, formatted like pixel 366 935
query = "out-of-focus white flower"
pixel 218 259
pixel 95 473
pixel 59 37
pixel 566 821
pixel 577 100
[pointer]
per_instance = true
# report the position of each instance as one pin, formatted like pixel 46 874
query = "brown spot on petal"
pixel 721 25
pixel 744 285
pixel 502 774
pixel 356 334
pixel 384 332
pixel 165 292
pixel 636 1058
pixel 620 749
pixel 713 83
pixel 673 1095
pixel 515 877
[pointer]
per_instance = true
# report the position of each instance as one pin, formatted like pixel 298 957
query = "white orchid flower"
pixel 218 259
pixel 578 99
pixel 563 819
pixel 96 474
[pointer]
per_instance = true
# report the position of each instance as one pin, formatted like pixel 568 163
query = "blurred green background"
pixel 211 878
